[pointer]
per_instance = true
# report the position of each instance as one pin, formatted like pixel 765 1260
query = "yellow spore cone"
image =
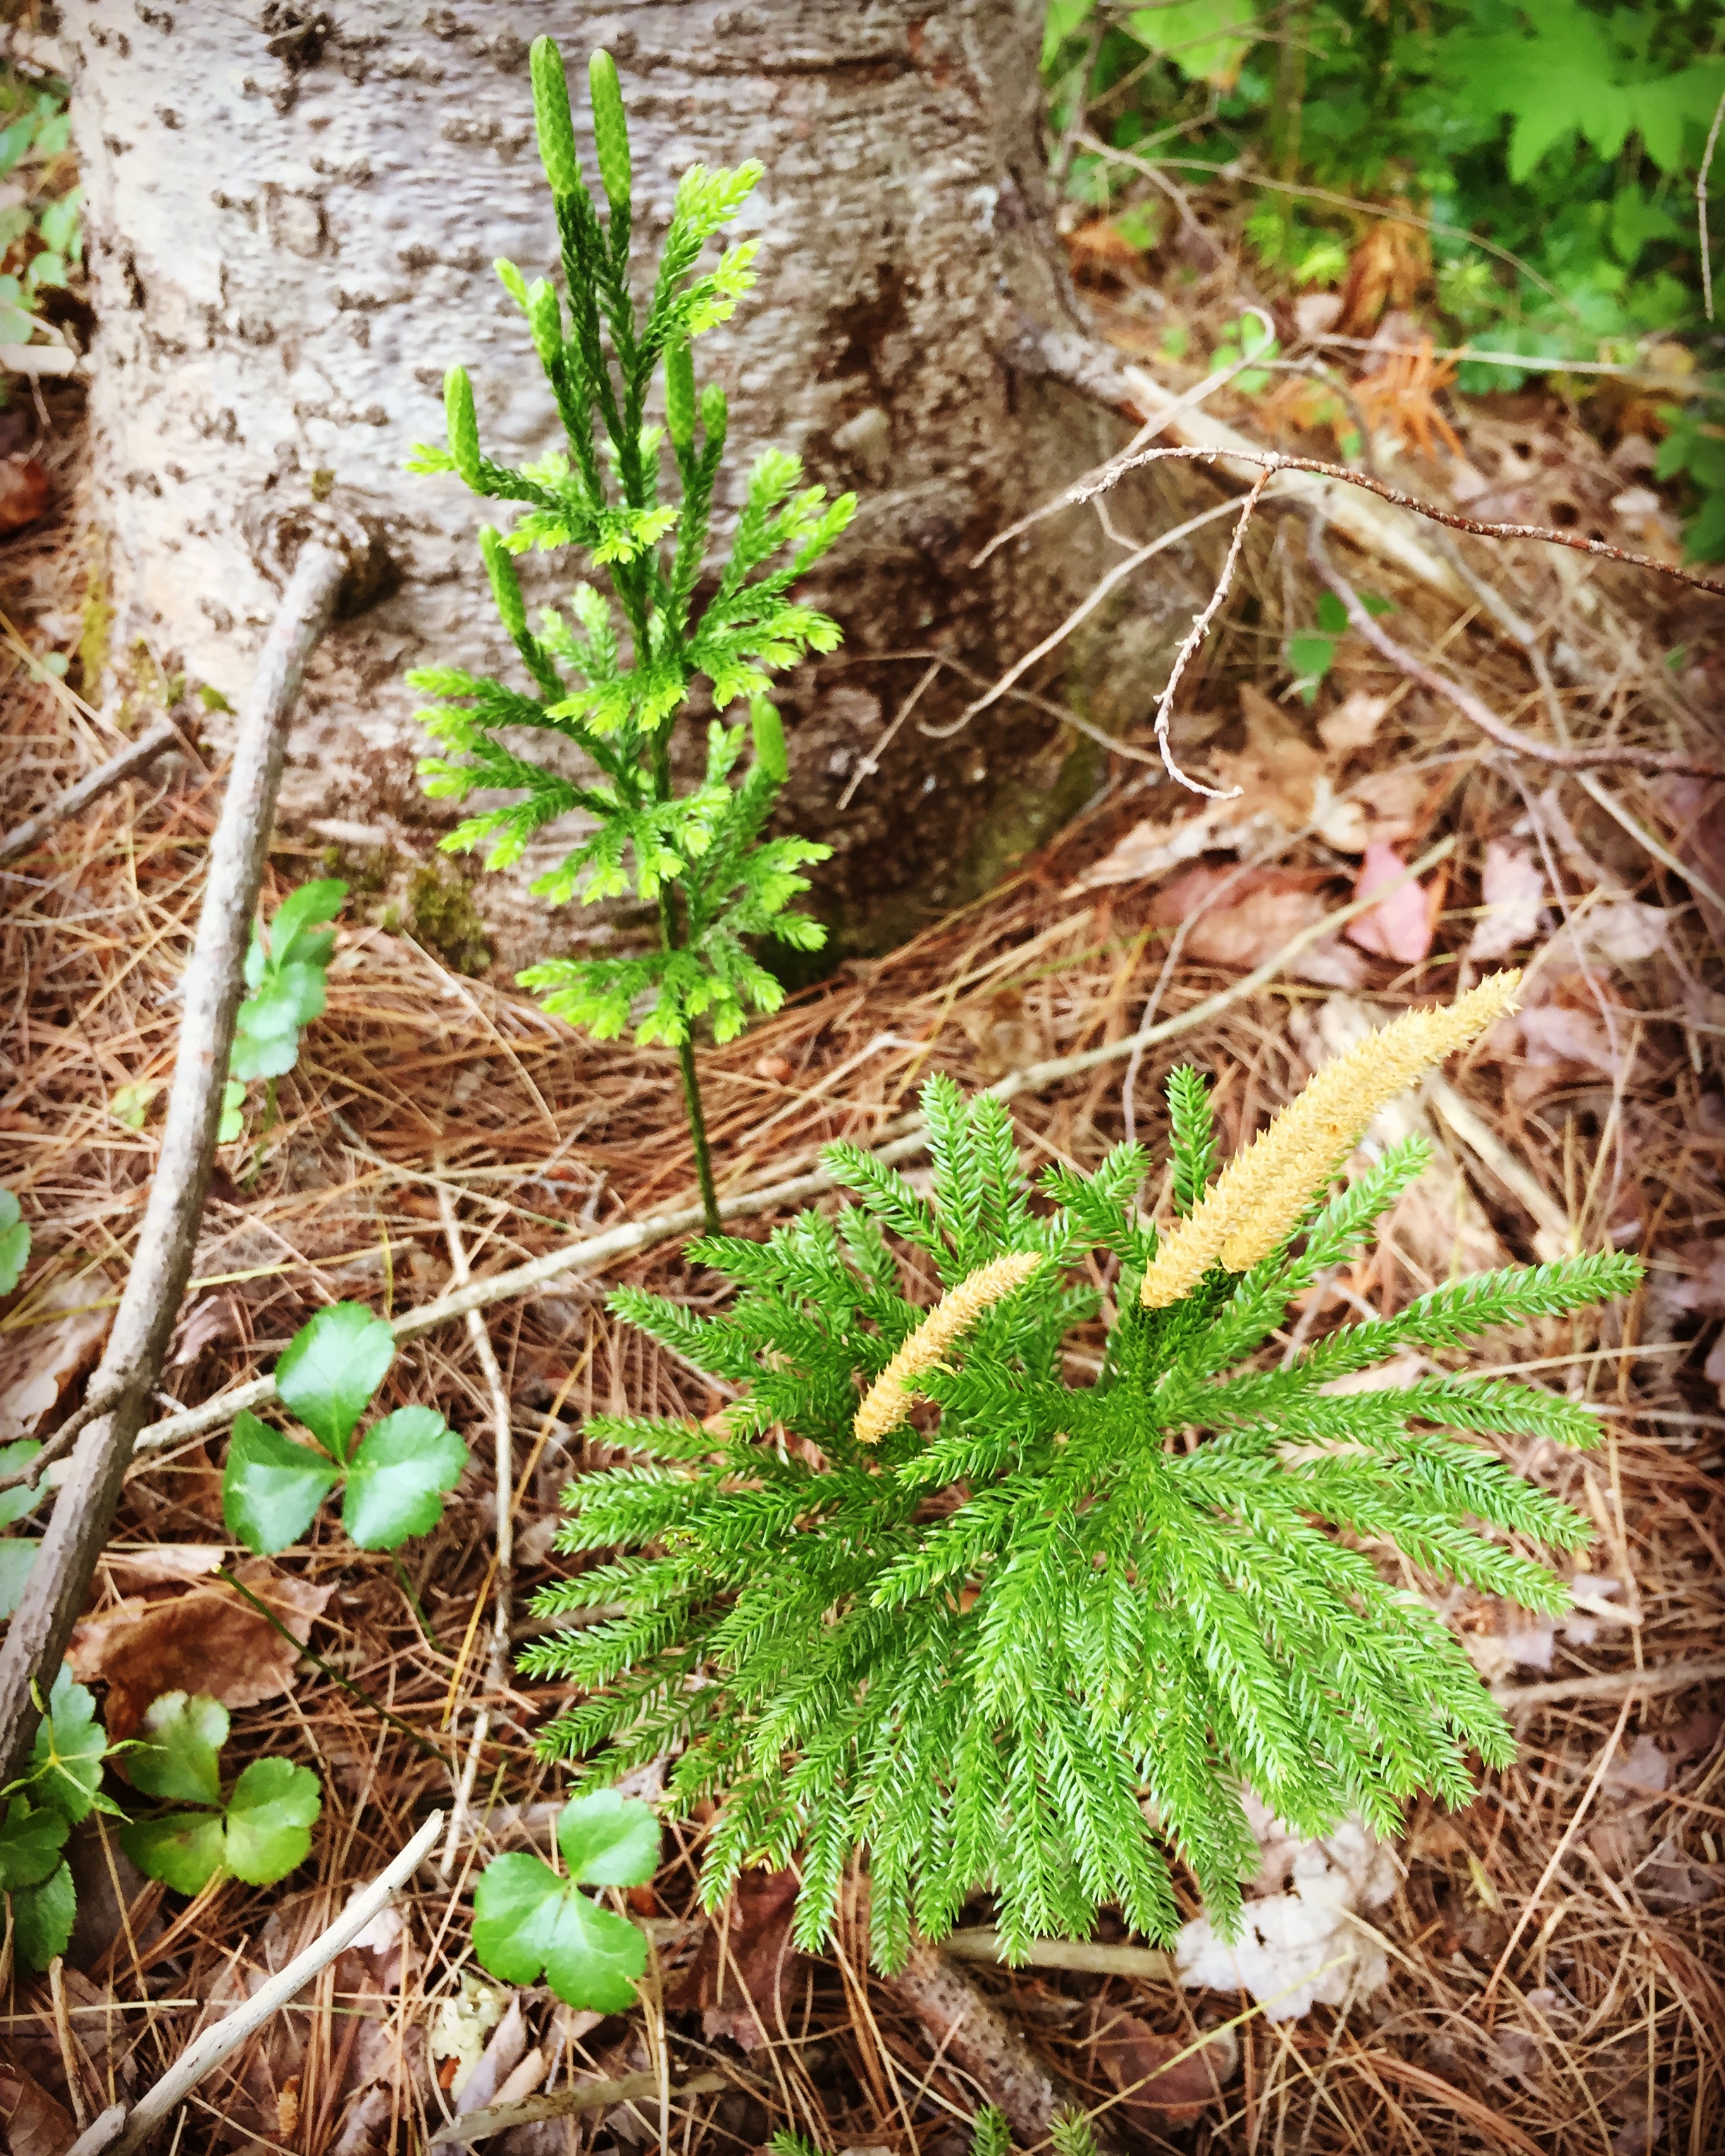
pixel 1259 1197
pixel 888 1400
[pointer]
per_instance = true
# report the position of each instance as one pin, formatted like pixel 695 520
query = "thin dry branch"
pixel 135 756
pixel 1475 708
pixel 78 1526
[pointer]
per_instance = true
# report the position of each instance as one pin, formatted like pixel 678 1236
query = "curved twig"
pixel 1474 707
pixel 1194 637
pixel 134 757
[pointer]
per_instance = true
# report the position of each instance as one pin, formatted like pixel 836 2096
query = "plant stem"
pixel 697 1131
pixel 414 1604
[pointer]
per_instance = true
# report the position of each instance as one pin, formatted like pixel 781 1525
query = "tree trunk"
pixel 292 216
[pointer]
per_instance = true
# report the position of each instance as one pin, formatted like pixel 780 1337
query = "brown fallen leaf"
pixel 159 1564
pixel 1401 925
pixel 745 1972
pixel 24 488
pixel 1168 2090
pixel 207 1638
pixel 1354 722
pixel 51 1339
pixel 1252 919
pixel 1512 885
pixel 34 2122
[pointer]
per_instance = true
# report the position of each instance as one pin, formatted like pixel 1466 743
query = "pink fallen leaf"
pixel 1401 925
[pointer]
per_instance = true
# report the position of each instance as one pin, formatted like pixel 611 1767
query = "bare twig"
pixel 503 1437
pixel 135 756
pixel 563 2104
pixel 1701 206
pixel 1474 707
pixel 78 1526
pixel 223 2038
pixel 1666 1676
pixel 1094 1957
pixel 1194 637
pixel 908 1139
pixel 1275 460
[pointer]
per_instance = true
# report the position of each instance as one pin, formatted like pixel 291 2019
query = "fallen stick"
pixel 133 758
pixel 912 1138
pixel 59 1580
pixel 205 2052
pixel 584 2096
pixel 1092 1956
pixel 1663 1676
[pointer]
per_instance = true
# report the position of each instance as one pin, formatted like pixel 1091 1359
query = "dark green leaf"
pixel 332 1367
pixel 526 1919
pixel 609 1839
pixel 398 1474
pixel 1332 614
pixel 21 1498
pixel 30 1839
pixel 43 1917
pixel 66 1760
pixel 175 1758
pixel 270 1815
pixel 271 1487
pixel 183 1849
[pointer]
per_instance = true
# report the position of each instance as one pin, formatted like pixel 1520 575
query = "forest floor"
pixel 1541 1971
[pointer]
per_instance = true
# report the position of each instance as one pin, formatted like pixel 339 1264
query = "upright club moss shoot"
pixel 614 671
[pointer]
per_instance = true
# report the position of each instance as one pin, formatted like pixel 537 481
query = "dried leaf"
pixel 1401 925
pixel 159 1564
pixel 1644 1767
pixel 1136 2057
pixel 745 1973
pixel 1354 722
pixel 24 489
pixel 34 2123
pixel 1260 911
pixel 206 1640
pixel 1512 886
pixel 41 1358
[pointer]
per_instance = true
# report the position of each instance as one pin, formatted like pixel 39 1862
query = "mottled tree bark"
pixel 292 216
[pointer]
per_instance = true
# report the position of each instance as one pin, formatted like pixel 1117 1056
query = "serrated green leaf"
pixel 396 1481
pixel 272 1487
pixel 183 1849
pixel 43 1917
pixel 609 1839
pixel 331 1369
pixel 176 1754
pixel 66 1760
pixel 270 1815
pixel 31 1837
pixel 17 1553
pixel 526 1920
pixel 21 1498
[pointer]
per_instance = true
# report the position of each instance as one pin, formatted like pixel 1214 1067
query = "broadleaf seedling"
pixel 394 1480
pixel 259 1835
pixel 62 1786
pixel 526 1918
pixel 1312 652
pixel 287 965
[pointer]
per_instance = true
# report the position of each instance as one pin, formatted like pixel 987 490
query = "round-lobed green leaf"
pixel 330 1368
pixel 609 1839
pixel 271 1487
pixel 183 1849
pixel 43 1917
pixel 176 1756
pixel 397 1477
pixel 275 1806
pixel 31 1837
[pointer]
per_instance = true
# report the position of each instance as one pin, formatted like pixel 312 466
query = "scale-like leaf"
pixel 330 1368
pixel 271 1487
pixel 396 1483
pixel 176 1757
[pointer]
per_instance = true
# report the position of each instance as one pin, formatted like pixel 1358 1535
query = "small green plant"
pixel 528 1919
pixel 41 229
pixel 1250 338
pixel 14 1242
pixel 1312 652
pixel 613 680
pixel 393 1480
pixel 62 1786
pixel 259 1833
pixel 286 969
pixel 17 1553
pixel 925 1596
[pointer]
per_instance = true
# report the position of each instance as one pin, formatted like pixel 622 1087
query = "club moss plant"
pixel 937 1597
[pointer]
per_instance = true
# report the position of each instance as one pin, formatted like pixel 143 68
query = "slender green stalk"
pixel 697 1131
